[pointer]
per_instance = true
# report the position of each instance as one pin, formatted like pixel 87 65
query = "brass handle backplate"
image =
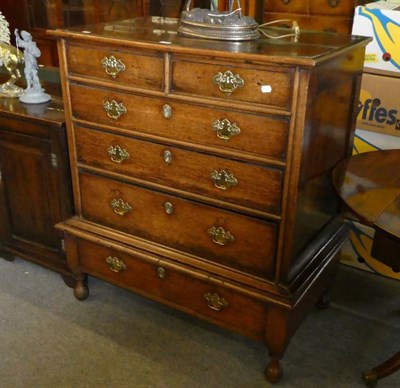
pixel 118 154
pixel 114 109
pixel 120 207
pixel 223 180
pixel 215 302
pixel 112 65
pixel 228 82
pixel 225 129
pixel 220 236
pixel 115 264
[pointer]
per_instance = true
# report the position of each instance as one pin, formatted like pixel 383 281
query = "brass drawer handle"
pixel 228 82
pixel 112 65
pixel 118 154
pixel 223 180
pixel 120 207
pixel 115 264
pixel 333 3
pixel 169 208
pixel 114 109
pixel 215 302
pixel 225 129
pixel 220 236
pixel 167 111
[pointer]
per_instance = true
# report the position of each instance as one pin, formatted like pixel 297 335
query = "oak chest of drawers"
pixel 201 169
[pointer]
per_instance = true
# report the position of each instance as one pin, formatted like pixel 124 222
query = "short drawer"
pixel 224 129
pixel 271 86
pixel 176 288
pixel 137 69
pixel 243 184
pixel 219 236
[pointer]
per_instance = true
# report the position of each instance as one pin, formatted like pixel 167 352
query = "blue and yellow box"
pixel 381 21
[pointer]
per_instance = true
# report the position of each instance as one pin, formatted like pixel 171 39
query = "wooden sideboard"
pixel 322 15
pixel 35 184
pixel 201 169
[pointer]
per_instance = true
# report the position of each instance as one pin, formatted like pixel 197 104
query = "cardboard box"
pixel 366 141
pixel 379 104
pixel 381 21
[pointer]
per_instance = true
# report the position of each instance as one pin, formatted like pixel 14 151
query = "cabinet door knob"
pixel 115 264
pixel 118 154
pixel 112 65
pixel 215 302
pixel 228 82
pixel 169 208
pixel 225 129
pixel 220 236
pixel 223 180
pixel 161 273
pixel 114 109
pixel 120 207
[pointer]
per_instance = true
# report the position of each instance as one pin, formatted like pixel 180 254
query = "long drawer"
pixel 135 68
pixel 255 134
pixel 174 287
pixel 262 86
pixel 216 235
pixel 243 184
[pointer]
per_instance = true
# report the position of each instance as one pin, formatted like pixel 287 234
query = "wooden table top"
pixel 369 184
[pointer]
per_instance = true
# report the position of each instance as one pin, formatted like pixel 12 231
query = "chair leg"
pixel 385 369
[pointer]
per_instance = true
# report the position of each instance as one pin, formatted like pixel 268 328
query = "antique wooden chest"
pixel 201 169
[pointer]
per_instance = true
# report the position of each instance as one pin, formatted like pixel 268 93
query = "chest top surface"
pixel 158 33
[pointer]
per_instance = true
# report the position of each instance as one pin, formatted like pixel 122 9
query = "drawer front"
pixel 321 23
pixel 136 69
pixel 259 86
pixel 157 281
pixel 219 236
pixel 242 184
pixel 294 6
pixel 332 7
pixel 261 135
pixel 313 7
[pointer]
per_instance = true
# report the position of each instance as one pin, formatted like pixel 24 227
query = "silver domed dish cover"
pixel 214 24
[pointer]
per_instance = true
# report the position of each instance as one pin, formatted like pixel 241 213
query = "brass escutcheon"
pixel 225 129
pixel 112 65
pixel 114 109
pixel 115 264
pixel 223 180
pixel 167 111
pixel 333 3
pixel 220 236
pixel 167 156
pixel 228 82
pixel 215 302
pixel 118 154
pixel 169 208
pixel 120 207
pixel 161 273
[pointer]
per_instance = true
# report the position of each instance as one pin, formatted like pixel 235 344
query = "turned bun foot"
pixel 273 371
pixel 81 290
pixel 324 302
pixel 370 379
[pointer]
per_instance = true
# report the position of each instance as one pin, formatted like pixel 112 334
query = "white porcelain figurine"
pixel 34 93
